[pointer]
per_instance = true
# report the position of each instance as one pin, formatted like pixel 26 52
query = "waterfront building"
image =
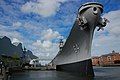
pixel 35 63
pixel 112 58
pixel 95 61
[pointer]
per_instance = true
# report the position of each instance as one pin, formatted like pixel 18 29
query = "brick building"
pixel 107 59
pixel 95 61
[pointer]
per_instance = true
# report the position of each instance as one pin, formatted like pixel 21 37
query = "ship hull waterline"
pixel 82 68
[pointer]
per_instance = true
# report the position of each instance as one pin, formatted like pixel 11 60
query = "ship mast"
pixel 61 44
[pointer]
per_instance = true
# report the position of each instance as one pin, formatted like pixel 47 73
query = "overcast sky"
pixel 39 24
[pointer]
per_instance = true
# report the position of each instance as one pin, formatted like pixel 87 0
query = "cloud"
pixel 30 27
pixel 17 24
pixel 10 32
pixel 109 39
pixel 44 8
pixel 45 47
pixel 114 26
pixel 15 40
pixel 49 34
pixel 43 44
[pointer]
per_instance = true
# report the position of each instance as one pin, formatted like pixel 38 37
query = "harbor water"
pixel 101 73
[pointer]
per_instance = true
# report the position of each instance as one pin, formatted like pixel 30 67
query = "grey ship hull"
pixel 75 55
pixel 76 61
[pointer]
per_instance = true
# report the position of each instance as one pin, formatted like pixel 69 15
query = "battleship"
pixel 75 55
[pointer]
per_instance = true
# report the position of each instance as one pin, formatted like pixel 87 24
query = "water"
pixel 103 73
pixel 107 73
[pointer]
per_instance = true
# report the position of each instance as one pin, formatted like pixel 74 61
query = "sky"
pixel 39 24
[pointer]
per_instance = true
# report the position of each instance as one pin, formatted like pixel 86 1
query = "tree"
pixel 16 59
